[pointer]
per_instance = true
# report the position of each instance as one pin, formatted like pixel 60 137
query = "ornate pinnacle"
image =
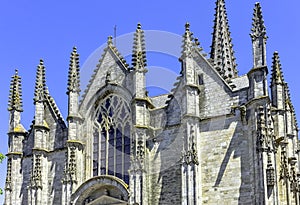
pixel 138 52
pixel 222 54
pixel 40 83
pixel 15 93
pixel 276 75
pixel 258 29
pixel 74 77
pixel 188 44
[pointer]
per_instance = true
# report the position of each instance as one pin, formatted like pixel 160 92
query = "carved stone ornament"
pixel 270 173
pixel 36 176
pixel 8 175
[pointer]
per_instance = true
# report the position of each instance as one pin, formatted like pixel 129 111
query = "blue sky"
pixel 30 30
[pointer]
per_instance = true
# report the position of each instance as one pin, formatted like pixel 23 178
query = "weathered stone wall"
pixel 165 168
pixel 56 161
pixel 225 161
pixel 26 172
pixel 58 130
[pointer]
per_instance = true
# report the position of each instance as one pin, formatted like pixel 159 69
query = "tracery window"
pixel 111 138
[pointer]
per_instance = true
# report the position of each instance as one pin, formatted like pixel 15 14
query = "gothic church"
pixel 217 138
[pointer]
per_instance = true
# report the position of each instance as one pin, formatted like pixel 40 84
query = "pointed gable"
pixel 112 68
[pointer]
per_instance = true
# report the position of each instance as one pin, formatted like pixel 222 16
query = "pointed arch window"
pixel 111 138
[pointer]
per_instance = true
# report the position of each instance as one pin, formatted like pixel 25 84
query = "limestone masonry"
pixel 217 138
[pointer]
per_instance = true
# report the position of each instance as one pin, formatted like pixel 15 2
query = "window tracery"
pixel 111 138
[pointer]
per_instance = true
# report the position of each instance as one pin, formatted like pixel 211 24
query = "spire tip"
pixel 187 26
pixel 139 26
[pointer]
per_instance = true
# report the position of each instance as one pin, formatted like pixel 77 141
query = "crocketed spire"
pixel 188 44
pixel 222 54
pixel 138 52
pixel 15 93
pixel 258 27
pixel 40 83
pixel 74 77
pixel 276 73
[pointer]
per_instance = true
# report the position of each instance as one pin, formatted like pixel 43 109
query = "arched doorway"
pixel 101 190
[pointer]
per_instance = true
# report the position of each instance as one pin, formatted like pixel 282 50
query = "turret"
pixel 139 63
pixel 39 174
pixel 73 83
pixel 186 58
pixel 259 38
pixel 15 105
pixel 222 54
pixel 74 162
pixel 16 136
pixel 190 119
pixel 141 119
pixel 139 80
pixel 286 131
pixel 40 92
pixel 258 74
pixel 189 72
pixel 277 83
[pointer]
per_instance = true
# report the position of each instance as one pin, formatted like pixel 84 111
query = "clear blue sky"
pixel 30 30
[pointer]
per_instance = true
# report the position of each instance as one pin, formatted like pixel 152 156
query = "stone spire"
pixel 74 77
pixel 15 93
pixel 276 73
pixel 222 54
pixel 259 38
pixel 258 26
pixel 138 52
pixel 40 83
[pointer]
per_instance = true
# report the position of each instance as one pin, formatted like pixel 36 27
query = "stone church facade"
pixel 217 138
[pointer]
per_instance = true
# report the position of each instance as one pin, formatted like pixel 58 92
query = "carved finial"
pixel 15 93
pixel 108 77
pixel 139 26
pixel 276 73
pixel 139 53
pixel 197 43
pixel 258 29
pixel 40 83
pixel 187 26
pixel 109 41
pixel 74 77
pixel 222 54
